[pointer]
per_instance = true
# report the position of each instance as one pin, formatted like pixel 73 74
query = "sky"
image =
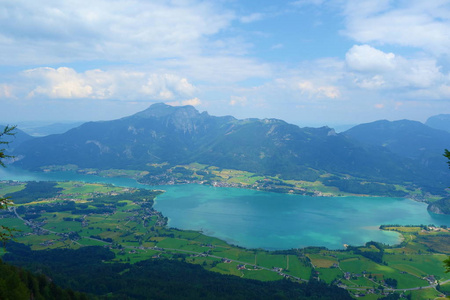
pixel 308 62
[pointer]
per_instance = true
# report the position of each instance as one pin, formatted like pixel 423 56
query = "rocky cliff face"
pixel 441 207
pixel 435 209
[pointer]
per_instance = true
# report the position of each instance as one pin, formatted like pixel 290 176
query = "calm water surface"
pixel 256 219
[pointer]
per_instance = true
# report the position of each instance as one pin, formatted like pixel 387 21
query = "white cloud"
pixel 414 23
pixel 376 69
pixel 180 37
pixel 368 59
pixel 309 88
pixel 252 18
pixel 125 30
pixel 165 86
pixel 66 83
pixel 194 102
pixel 6 91
pixel 277 46
pixel 220 69
pixel 59 83
pixel 307 2
pixel 445 90
pixel 238 100
pixel 374 82
pixel 310 83
pixel 331 92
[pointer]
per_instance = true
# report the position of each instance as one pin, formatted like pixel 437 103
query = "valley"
pixel 257 199
pixel 181 144
pixel 174 145
pixel 75 215
pixel 225 150
pixel 326 185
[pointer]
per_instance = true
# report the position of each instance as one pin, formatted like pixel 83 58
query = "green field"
pixel 7 188
pixel 86 214
pixel 86 189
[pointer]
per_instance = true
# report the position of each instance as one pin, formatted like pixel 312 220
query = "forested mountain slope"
pixel 181 135
pixel 439 122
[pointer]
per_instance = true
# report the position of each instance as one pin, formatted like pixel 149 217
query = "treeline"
pixel 356 186
pixel 391 282
pixel 135 196
pixel 374 255
pixel 54 207
pixel 108 203
pixel 99 205
pixel 19 284
pixel 441 206
pixel 35 190
pixel 422 226
pixel 83 270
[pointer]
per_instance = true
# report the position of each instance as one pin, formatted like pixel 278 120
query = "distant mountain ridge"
pixel 182 135
pixel 14 140
pixel 55 128
pixel 406 138
pixel 439 122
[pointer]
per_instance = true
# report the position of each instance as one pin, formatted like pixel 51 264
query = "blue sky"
pixel 309 62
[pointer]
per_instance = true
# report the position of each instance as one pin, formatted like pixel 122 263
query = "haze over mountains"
pixel 401 151
pixel 409 139
pixel 439 122
pixel 44 128
pixel 15 140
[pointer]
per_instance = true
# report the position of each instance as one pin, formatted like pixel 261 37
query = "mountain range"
pixel 11 142
pixel 408 139
pixel 439 122
pixel 393 152
pixel 43 128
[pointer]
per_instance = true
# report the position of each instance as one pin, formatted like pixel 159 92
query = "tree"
pixel 8 130
pixel 447 261
pixel 447 265
pixel 447 154
pixel 6 233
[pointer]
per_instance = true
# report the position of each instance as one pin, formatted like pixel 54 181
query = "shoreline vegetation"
pixel 163 174
pixel 76 215
pixel 328 185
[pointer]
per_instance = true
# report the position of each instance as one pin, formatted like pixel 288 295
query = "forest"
pixel 84 270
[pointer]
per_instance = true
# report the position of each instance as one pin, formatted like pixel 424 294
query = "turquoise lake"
pixel 256 219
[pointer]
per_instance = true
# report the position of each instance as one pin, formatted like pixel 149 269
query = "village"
pixel 115 218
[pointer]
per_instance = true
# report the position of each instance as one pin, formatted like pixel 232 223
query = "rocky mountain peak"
pixel 160 110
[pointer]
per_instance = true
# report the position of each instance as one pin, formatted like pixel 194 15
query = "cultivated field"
pixel 86 214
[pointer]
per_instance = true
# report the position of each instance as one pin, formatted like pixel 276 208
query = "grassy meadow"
pixel 89 214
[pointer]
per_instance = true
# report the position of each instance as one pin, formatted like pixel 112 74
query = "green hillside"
pixel 109 242
pixel 181 135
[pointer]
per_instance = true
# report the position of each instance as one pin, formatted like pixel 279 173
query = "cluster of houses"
pixel 47 243
pixel 348 275
pixel 431 279
pixel 434 228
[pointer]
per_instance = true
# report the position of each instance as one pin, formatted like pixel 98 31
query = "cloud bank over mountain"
pixel 309 62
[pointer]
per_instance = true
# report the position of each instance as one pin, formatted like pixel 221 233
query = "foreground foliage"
pixel 5 232
pixel 84 270
pixel 19 284
pixel 67 217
